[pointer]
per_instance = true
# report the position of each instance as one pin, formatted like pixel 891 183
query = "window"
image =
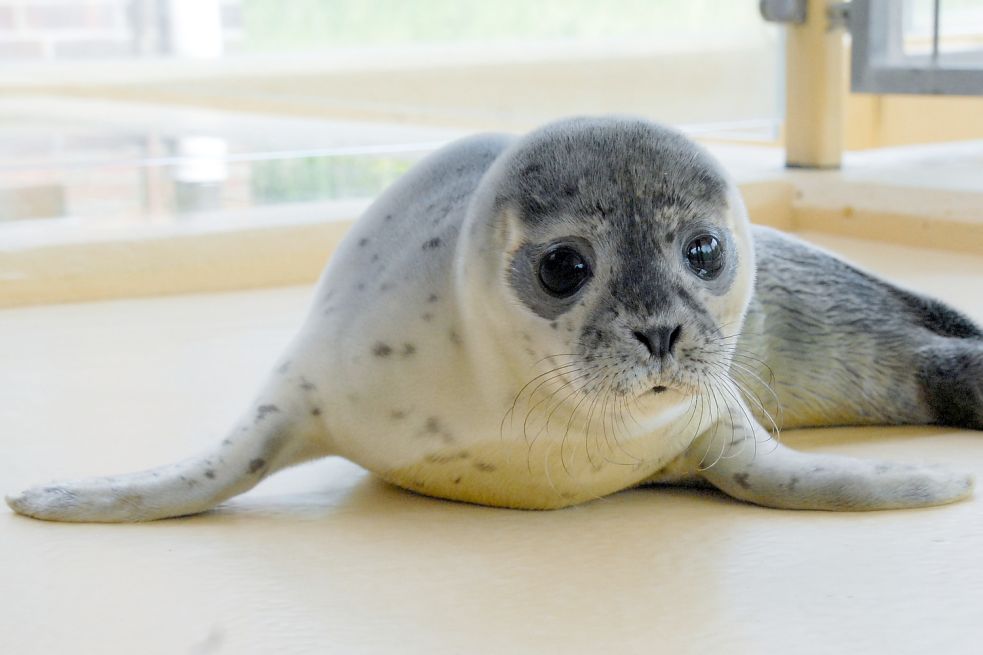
pixel 917 46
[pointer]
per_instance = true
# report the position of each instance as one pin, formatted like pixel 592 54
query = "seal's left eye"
pixel 563 270
pixel 705 257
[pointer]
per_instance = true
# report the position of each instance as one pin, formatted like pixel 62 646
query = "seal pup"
pixel 535 322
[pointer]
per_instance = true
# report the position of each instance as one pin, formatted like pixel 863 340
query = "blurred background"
pixel 161 111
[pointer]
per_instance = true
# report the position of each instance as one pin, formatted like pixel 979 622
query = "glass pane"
pixel 155 110
pixel 960 30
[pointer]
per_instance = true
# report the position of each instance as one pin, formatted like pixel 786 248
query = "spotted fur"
pixel 433 356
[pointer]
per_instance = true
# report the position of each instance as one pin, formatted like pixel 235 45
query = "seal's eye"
pixel 705 256
pixel 563 270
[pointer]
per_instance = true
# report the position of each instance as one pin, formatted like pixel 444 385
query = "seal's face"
pixel 629 247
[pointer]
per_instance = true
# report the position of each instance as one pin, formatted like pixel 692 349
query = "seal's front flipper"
pixel 273 435
pixel 770 474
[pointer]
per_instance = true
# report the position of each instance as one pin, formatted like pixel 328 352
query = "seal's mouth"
pixel 659 389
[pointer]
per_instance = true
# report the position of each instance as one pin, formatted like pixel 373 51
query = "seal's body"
pixel 541 321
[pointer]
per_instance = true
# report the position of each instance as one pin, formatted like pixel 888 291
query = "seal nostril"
pixel 659 340
pixel 674 337
pixel 645 341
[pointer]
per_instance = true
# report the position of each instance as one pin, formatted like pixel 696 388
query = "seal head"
pixel 621 247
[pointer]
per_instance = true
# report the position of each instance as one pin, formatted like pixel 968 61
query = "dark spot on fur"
pixel 432 243
pixel 454 337
pixel 360 286
pixel 427 316
pixel 794 480
pixel 263 410
pixel 553 324
pixel 446 459
pixel 307 385
pixel 210 474
pixel 375 257
pixel 457 480
pixel 227 442
pixel 256 464
pixel 388 217
pixel 433 297
pixel 484 467
pixel 382 350
pixel 397 414
pixel 283 368
pixel 363 242
pixel 316 411
pixel 433 428
pixel 408 349
pixel 742 480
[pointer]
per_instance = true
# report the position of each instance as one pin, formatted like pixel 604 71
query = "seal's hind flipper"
pixel 273 435
pixel 836 345
pixel 773 475
pixel 951 374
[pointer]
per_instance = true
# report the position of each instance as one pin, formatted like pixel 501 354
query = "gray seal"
pixel 538 321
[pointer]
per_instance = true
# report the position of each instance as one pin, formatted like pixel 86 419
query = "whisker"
pixel 531 444
pixel 511 410
pixel 546 400
pixel 723 446
pixel 590 419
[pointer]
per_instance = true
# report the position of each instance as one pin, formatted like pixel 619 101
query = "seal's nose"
pixel 659 340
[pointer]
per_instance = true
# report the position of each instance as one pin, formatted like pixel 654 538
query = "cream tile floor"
pixel 324 558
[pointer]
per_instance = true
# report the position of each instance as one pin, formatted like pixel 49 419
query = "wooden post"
pixel 814 89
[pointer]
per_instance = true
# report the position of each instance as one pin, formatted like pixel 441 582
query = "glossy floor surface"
pixel 324 558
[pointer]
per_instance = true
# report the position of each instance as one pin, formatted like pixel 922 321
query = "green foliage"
pixel 324 178
pixel 284 25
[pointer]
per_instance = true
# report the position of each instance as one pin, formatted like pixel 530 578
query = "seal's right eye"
pixel 705 256
pixel 563 271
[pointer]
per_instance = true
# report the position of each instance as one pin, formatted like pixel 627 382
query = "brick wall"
pixel 91 29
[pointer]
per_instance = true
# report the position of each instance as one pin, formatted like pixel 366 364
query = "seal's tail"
pixel 273 435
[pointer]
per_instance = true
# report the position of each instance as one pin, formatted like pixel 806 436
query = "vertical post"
pixel 814 88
